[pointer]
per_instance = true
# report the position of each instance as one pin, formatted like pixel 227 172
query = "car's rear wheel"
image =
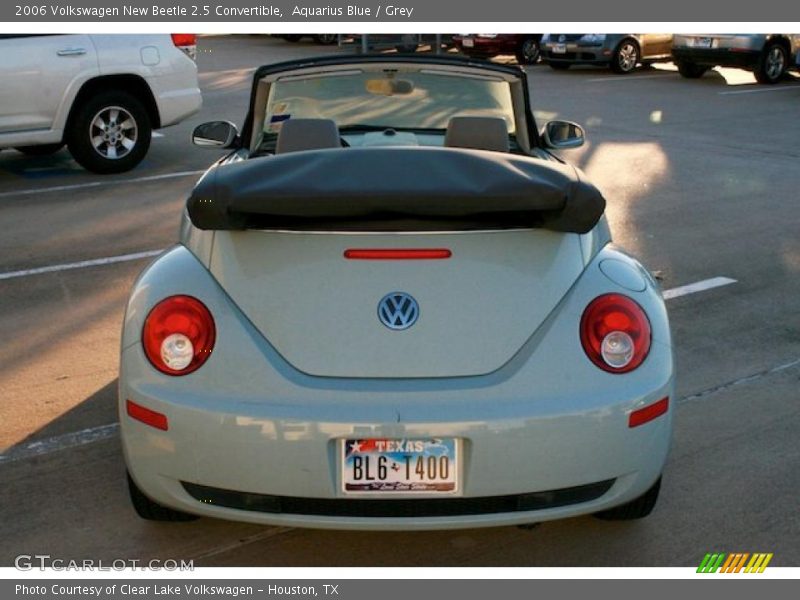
pixel 152 511
pixel 772 64
pixel 110 133
pixel 559 66
pixel 635 509
pixel 41 150
pixel 625 57
pixel 528 52
pixel 691 70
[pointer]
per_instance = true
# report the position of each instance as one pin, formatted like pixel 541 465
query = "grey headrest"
pixel 478 133
pixel 307 134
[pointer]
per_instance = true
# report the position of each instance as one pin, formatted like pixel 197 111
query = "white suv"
pixel 101 95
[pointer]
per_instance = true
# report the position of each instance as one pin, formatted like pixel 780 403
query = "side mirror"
pixel 560 135
pixel 216 134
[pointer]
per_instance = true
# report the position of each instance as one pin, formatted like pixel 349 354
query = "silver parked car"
pixel 101 95
pixel 768 56
pixel 621 52
pixel 393 307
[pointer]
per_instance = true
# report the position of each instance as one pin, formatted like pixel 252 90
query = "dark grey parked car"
pixel 768 56
pixel 622 52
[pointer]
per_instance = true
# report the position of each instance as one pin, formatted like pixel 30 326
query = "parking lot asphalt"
pixel 702 181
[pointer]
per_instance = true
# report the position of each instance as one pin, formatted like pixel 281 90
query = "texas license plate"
pixel 394 466
pixel 468 42
pixel 559 48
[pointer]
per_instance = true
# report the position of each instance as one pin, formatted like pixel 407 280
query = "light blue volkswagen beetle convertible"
pixel 391 307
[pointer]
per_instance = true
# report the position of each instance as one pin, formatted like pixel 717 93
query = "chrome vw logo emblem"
pixel 398 311
pixel 562 38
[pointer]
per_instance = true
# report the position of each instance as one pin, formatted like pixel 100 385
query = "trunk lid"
pixel 320 309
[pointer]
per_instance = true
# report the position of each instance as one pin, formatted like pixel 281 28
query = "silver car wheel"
pixel 776 62
pixel 628 57
pixel 113 132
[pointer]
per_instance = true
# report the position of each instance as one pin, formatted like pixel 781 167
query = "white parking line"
pixel 700 286
pixel 759 90
pixel 81 264
pixel 157 134
pixel 60 442
pixel 92 184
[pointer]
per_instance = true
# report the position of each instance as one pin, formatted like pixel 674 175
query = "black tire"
pixel 528 52
pixel 82 130
pixel 326 38
pixel 152 511
pixel 772 63
pixel 291 38
pixel 559 66
pixel 635 509
pixel 41 150
pixel 626 57
pixel 691 70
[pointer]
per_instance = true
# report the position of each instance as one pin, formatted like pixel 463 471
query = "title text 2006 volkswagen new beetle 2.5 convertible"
pixel 392 308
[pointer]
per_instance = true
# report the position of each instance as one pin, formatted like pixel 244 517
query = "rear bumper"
pixel 723 57
pixel 276 464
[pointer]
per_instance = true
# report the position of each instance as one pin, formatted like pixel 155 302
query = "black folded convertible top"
pixel 359 187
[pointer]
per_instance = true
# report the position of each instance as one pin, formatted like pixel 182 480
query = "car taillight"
pixel 186 42
pixel 178 335
pixel 615 333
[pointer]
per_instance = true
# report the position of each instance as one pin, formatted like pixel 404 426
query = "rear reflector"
pixel 397 254
pixel 648 413
pixel 147 416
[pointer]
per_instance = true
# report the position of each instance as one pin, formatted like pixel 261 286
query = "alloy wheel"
pixel 113 132
pixel 776 63
pixel 628 57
